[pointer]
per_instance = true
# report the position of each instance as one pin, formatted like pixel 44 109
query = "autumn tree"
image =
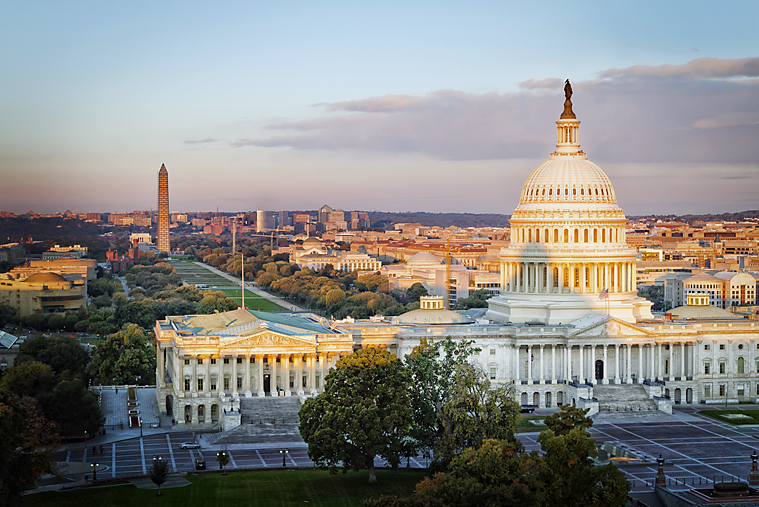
pixel 364 412
pixel 567 418
pixel 125 357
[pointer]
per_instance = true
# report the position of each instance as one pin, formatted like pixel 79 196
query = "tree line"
pixel 435 402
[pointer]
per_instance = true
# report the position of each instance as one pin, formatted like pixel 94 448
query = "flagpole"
pixel 242 257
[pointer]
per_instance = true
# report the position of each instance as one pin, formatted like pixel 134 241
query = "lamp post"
pixel 84 446
pixel 661 480
pixel 95 471
pixel 284 453
pixel 140 426
pixel 222 458
pixel 753 478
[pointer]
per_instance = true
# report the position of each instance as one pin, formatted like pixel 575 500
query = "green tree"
pixel 433 366
pixel 125 357
pixel 73 408
pixel 567 418
pixel 474 413
pixel 416 291
pixel 28 379
pixel 21 463
pixel 159 472
pixel 66 355
pixel 215 301
pixel 363 412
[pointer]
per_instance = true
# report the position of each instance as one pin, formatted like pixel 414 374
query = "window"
pixel 316 381
pixel 226 383
pixel 722 390
pixel 252 359
pixel 305 381
pixel 239 360
pixel 213 383
pixel 708 390
pixel 722 346
pixel 707 347
pixel 226 360
pixel 740 346
pixel 707 368
pixel 186 384
pixel 200 360
pixel 186 360
pixel 741 390
pixel 741 365
pixel 239 382
pixel 492 352
pixel 492 373
pixel 722 368
pixel 200 384
pixel 213 360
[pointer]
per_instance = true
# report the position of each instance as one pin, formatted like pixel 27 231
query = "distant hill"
pixel 380 218
pixel 690 219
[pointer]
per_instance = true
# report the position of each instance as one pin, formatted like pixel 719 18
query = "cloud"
pixel 542 84
pixel 728 120
pixel 646 119
pixel 699 68
pixel 201 141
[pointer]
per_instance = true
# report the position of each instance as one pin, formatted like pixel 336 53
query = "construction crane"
pixel 447 299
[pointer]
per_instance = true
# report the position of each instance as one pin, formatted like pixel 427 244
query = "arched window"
pixel 741 365
pixel 577 277
pixel 585 236
pixel 595 235
pixel 587 277
pixel 556 235
pixel 555 277
pixel 566 235
pixel 566 277
pixel 550 191
pixel 574 191
pixel 577 236
pixel 546 236
pixel 566 191
pixel 582 191
pixel 529 236
pixel 544 191
pixel 537 235
pixel 603 235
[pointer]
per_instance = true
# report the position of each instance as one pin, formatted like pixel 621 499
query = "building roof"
pixel 700 312
pixel 45 277
pixel 423 259
pixel 432 318
pixel 235 322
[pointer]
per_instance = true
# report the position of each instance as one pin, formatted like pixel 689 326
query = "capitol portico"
pixel 567 326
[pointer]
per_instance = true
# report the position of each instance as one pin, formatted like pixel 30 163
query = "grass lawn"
pixel 524 426
pixel 266 488
pixel 733 416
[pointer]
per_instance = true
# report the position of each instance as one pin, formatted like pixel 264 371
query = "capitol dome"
pixel 568 256
pixel 312 243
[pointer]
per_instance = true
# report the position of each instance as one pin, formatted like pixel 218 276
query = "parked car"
pixel 189 445
pixel 200 464
pixel 528 408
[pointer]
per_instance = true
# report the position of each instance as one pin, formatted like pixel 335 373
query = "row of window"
pixel 707 346
pixel 213 385
pixel 614 233
pixel 740 367
pixel 239 360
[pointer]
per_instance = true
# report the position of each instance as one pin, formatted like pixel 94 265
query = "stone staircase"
pixel 616 401
pixel 270 419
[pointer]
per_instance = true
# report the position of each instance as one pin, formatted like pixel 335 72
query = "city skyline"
pixel 394 108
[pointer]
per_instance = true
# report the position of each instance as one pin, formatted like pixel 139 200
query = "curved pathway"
pixel 255 290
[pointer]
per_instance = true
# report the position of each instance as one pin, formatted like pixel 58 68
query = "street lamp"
pixel 284 453
pixel 140 426
pixel 221 457
pixel 84 446
pixel 95 471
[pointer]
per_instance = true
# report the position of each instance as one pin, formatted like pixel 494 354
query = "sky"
pixel 392 106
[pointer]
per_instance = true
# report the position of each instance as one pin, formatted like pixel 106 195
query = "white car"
pixel 189 445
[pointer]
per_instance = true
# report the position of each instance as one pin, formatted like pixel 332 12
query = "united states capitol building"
pixel 567 326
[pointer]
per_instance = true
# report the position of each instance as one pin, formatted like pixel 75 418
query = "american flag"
pixel 604 294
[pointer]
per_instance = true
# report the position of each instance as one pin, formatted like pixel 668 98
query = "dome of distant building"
pixel 45 278
pixel 431 313
pixel 312 243
pixel 423 259
pixel 698 312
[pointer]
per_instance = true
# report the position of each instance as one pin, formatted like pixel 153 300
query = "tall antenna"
pixel 234 232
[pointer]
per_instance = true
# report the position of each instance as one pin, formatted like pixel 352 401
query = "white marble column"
pixel 682 359
pixel 273 375
pixel 629 361
pixel 260 363
pixel 246 385
pixel 286 373
pixel 569 363
pixel 542 377
pixel 661 370
pixel 159 361
pixel 529 364
pixel 234 375
pixel 640 363
pixel 207 382
pixel 324 368
pixel 582 365
pixel 553 364
pixel 194 381
pixel 616 364
pixel 298 363
pixel 606 365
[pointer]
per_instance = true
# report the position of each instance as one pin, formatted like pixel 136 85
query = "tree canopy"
pixel 125 357
pixel 363 412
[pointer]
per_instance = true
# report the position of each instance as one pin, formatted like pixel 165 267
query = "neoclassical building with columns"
pixel 566 324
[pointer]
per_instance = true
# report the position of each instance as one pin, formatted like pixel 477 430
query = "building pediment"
pixel 611 328
pixel 267 340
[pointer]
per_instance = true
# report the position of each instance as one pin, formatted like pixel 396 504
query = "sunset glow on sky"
pixel 391 106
